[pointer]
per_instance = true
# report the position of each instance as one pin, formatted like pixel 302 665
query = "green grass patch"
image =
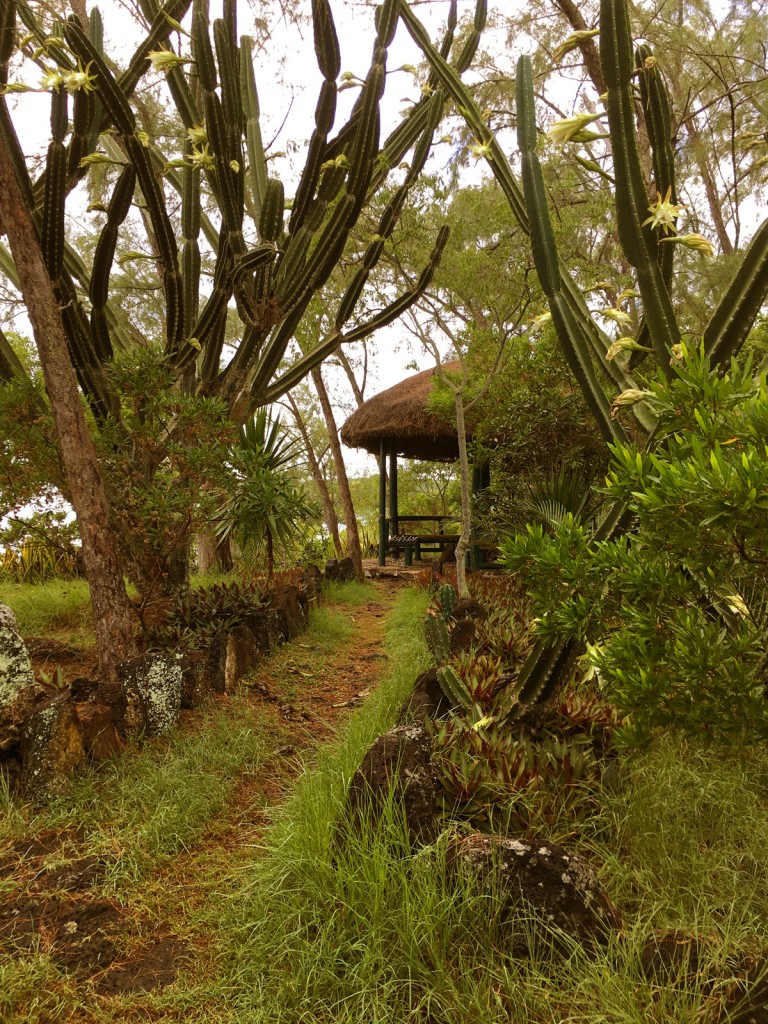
pixel 351 592
pixel 58 608
pixel 369 932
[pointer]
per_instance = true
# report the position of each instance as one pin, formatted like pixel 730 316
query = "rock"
pixel 216 663
pixel 341 570
pixel 747 999
pixel 671 956
pixel 196 678
pixel 536 881
pixel 242 654
pixel 462 637
pixel 265 628
pixel 468 608
pixel 427 700
pixel 18 692
pixel 290 610
pixel 448 556
pixel 100 736
pixel 15 666
pixel 50 749
pixel 311 582
pixel 400 760
pixel 149 700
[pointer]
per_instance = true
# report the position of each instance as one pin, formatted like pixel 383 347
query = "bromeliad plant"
pixel 644 229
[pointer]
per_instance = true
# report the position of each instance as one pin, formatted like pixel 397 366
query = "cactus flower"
pixel 624 345
pixel 618 316
pixel 572 129
pixel 693 241
pixel 166 60
pixel 80 79
pixel 664 213
pixel 574 39
pixel 52 79
pixel 197 134
pixel 201 157
pixel 629 397
pixel 540 321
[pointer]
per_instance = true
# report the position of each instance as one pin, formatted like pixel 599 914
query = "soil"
pixel 50 898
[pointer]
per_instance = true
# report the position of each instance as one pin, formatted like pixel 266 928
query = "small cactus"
pixel 447 597
pixel 438 641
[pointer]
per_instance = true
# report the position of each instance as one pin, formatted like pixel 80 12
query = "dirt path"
pixel 55 895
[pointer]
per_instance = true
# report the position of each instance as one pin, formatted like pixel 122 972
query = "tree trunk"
pixel 329 512
pixel 353 535
pixel 466 509
pixel 113 618
pixel 212 556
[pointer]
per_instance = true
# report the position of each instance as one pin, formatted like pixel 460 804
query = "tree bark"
pixel 350 519
pixel 112 614
pixel 466 511
pixel 212 555
pixel 329 512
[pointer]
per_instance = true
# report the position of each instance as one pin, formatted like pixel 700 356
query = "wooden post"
pixel 383 503
pixel 395 526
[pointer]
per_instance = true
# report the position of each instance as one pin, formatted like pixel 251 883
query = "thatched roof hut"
pixel 399 417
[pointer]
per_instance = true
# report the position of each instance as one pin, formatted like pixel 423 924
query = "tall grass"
pixel 320 929
pixel 59 608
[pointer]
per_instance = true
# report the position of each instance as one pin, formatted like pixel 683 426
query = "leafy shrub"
pixel 674 612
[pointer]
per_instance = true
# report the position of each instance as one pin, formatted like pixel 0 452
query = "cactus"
pixel 272 288
pixel 582 341
pixel 447 597
pixel 436 634
pixel 454 688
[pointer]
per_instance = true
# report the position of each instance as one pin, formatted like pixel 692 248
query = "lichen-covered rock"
pixel 536 883
pixel 149 700
pixel 50 749
pixel 15 666
pixel 19 694
pixel 399 761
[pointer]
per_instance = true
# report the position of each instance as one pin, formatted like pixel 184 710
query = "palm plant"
pixel 266 509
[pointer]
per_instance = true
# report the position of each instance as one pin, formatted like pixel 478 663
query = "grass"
pixel 160 815
pixel 367 932
pixel 59 608
pixel 302 927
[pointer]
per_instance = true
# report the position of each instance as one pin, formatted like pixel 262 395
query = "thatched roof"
pixel 399 416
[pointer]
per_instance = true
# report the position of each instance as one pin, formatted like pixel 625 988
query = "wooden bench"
pixel 416 543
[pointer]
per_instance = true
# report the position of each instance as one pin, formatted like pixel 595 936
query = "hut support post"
pixel 394 525
pixel 383 503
